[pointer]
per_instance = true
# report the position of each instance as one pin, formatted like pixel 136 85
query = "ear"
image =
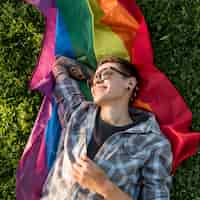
pixel 131 82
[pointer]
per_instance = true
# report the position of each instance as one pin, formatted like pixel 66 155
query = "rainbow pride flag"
pixel 87 31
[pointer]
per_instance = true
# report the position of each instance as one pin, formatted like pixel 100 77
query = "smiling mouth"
pixel 100 87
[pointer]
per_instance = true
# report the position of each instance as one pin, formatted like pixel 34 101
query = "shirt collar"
pixel 142 120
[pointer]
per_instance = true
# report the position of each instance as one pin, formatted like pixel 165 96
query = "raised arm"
pixel 66 90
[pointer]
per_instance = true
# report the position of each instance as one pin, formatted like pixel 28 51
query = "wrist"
pixel 108 189
pixel 113 192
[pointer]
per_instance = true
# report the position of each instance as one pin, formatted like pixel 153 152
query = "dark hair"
pixel 126 67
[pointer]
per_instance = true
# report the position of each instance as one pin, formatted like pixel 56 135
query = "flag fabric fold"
pixel 87 31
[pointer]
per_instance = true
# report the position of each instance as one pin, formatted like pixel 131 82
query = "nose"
pixel 98 80
pixel 94 80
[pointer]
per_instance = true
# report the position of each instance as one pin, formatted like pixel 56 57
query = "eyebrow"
pixel 106 68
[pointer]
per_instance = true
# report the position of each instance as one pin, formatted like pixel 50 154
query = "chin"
pixel 101 100
pixel 98 100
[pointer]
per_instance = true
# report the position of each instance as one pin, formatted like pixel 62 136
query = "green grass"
pixel 175 29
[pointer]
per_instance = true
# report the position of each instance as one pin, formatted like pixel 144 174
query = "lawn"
pixel 175 31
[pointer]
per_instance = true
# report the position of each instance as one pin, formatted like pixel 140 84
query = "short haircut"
pixel 126 67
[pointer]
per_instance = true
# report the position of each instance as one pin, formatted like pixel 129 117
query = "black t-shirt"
pixel 101 132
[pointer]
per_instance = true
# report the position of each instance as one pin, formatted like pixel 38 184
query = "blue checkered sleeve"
pixel 68 94
pixel 156 173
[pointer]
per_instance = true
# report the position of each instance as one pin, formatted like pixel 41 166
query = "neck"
pixel 116 114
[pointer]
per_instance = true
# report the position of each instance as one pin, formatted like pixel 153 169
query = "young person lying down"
pixel 108 149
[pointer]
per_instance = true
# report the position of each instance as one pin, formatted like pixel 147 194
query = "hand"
pixel 75 69
pixel 89 175
pixel 60 66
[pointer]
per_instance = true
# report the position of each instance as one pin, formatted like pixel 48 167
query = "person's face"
pixel 109 84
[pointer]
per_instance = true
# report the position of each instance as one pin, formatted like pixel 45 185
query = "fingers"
pixel 77 168
pixel 80 171
pixel 83 161
pixel 75 69
pixel 61 65
pixel 62 60
pixel 82 164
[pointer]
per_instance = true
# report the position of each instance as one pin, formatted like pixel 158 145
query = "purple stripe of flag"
pixel 42 5
pixel 42 73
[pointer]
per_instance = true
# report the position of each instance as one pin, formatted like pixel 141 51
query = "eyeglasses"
pixel 104 74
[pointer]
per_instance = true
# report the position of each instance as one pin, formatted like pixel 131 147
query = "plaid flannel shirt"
pixel 137 160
